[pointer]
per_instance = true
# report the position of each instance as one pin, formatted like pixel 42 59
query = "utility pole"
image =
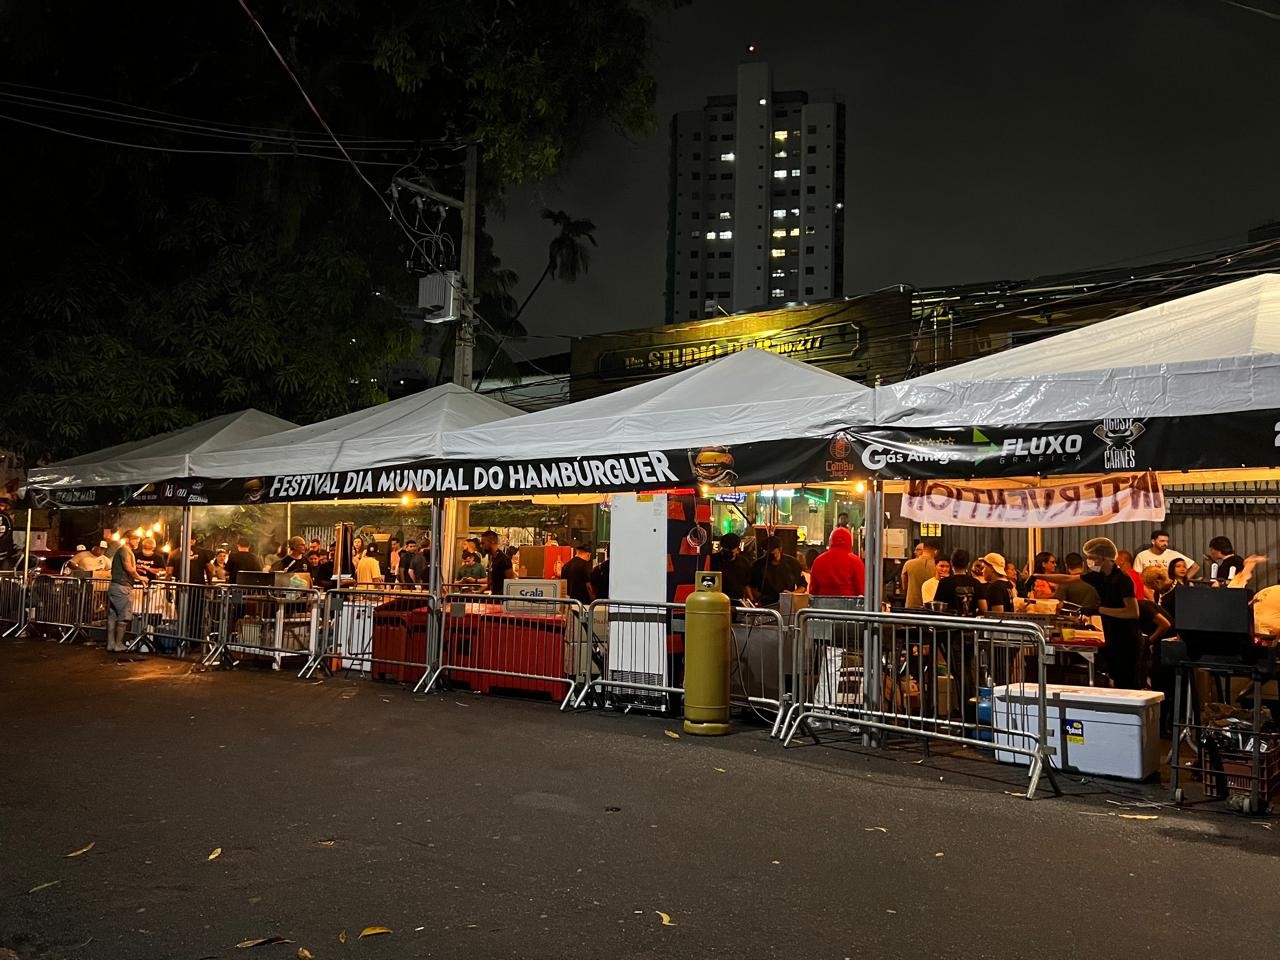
pixel 465 340
pixel 465 343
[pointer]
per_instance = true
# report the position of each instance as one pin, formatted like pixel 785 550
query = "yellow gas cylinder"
pixel 708 623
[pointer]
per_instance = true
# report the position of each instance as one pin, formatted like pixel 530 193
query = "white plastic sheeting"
pixel 745 397
pixel 400 431
pixel 165 456
pixel 1217 351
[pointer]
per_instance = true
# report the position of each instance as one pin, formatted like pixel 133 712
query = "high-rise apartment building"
pixel 756 213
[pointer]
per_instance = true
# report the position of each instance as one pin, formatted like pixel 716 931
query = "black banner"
pixel 1248 439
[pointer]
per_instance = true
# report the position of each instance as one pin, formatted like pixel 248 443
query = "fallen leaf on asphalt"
pixel 1137 816
pixel 305 954
pixel 666 919
pixel 1016 793
pixel 44 886
pixel 217 852
pixel 261 942
pixel 775 861
pixel 342 937
pixel 939 854
pixel 418 929
pixel 672 734
pixel 373 931
pixel 719 769
pixel 326 843
pixel 872 829
pixel 891 911
pixel 82 850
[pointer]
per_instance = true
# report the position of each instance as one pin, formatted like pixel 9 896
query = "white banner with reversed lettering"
pixel 1115 498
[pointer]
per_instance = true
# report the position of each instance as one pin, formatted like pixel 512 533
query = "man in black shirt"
pixel 199 561
pixel 242 559
pixel 1224 562
pixel 961 590
pixel 420 565
pixel 774 574
pixel 577 574
pixel 406 557
pixel 600 581
pixel 1118 607
pixel 997 591
pixel 735 570
pixel 500 568
pixel 293 561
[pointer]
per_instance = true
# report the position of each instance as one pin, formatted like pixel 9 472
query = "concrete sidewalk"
pixel 481 827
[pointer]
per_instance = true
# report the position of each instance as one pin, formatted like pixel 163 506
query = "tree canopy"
pixel 182 237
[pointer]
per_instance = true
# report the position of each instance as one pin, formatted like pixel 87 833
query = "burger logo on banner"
pixel 841 446
pixel 713 466
pixel 253 490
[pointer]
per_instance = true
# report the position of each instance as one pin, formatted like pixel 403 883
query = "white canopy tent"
pixel 165 456
pixel 1217 351
pixel 746 397
pixel 403 430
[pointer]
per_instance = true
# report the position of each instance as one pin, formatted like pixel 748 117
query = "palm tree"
pixel 568 256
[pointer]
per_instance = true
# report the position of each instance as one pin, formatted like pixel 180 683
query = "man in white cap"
pixel 997 592
pixel 89 560
pixel 1118 607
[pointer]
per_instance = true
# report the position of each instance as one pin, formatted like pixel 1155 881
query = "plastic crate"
pixel 1237 769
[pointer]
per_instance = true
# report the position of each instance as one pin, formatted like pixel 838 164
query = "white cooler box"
pixel 1112 733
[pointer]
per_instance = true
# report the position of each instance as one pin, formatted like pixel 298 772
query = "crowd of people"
pixel 1134 596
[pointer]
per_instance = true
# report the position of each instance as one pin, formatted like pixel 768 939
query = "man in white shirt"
pixel 87 561
pixel 1160 554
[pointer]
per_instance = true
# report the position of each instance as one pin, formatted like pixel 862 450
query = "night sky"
pixel 986 140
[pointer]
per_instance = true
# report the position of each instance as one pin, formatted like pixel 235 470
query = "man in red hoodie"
pixel 838 572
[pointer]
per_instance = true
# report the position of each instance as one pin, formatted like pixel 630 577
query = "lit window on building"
pixel 795 173
pixel 778 274
pixel 781 154
pixel 711 234
pixel 777 292
pixel 795 231
pixel 780 213
pixel 780 174
pixel 780 136
pixel 777 252
pixel 839 206
pixel 727 156
pixel 795 211
pixel 726 234
pixel 726 215
pixel 780 233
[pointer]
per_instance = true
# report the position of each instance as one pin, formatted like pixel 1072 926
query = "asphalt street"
pixel 484 827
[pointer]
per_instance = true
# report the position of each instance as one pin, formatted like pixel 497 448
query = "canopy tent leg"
pixel 26 548
pixel 874 601
pixel 288 522
pixel 184 565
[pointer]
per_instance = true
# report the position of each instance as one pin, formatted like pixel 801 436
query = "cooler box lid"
pixel 1092 696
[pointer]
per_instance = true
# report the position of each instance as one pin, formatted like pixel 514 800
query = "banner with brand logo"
pixel 1242 439
pixel 1113 498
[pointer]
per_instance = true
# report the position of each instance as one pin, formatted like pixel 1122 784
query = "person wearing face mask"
pixel 1118 607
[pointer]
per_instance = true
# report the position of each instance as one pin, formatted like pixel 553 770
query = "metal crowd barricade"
pixel 762 652
pixel 173 617
pixel 934 677
pixel 13 607
pixel 271 622
pixel 633 647
pixel 636 648
pixel 387 633
pixel 524 644
pixel 54 602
